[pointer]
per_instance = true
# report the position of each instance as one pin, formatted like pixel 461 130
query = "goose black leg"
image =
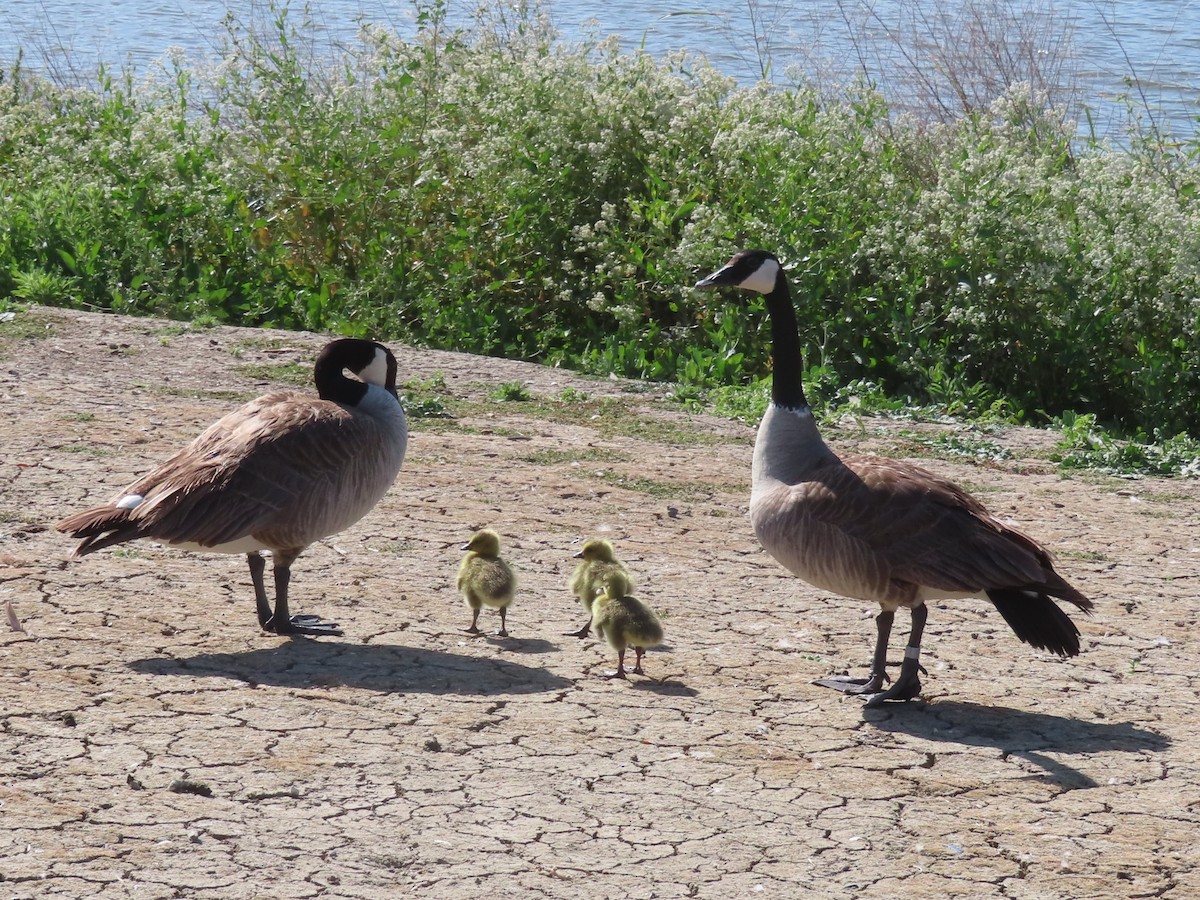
pixel 503 632
pixel 474 629
pixel 280 621
pixel 908 685
pixel 873 683
pixel 262 602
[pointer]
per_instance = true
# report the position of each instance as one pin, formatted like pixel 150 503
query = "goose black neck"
pixel 787 386
pixel 330 378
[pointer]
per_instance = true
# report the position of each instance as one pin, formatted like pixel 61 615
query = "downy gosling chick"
pixel 625 621
pixel 599 562
pixel 485 579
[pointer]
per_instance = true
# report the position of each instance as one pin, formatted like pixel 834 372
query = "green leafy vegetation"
pixel 1086 445
pixel 299 374
pixel 572 395
pixel 968 446
pixel 497 192
pixel 510 392
pixel 426 398
pixel 589 454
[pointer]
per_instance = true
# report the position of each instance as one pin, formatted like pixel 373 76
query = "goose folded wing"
pixel 248 473
pixel 924 530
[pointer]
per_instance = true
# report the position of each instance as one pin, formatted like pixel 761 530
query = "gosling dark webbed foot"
pixel 306 624
pixel 620 673
pixel 579 633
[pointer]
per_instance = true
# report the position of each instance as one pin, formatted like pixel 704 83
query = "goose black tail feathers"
pixel 101 527
pixel 1037 620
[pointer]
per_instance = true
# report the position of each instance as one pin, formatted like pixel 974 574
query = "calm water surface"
pixel 1157 40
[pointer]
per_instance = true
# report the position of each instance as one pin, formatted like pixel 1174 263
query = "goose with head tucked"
pixel 279 473
pixel 878 529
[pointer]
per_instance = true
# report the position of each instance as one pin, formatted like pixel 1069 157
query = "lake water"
pixel 1104 42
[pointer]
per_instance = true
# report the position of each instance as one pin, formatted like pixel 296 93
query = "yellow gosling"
pixel 485 579
pixel 598 563
pixel 625 621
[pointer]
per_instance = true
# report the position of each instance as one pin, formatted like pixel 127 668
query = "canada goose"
pixel 599 561
pixel 879 529
pixel 283 471
pixel 485 579
pixel 624 621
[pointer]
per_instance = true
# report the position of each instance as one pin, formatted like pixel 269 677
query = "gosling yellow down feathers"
pixel 598 562
pixel 485 579
pixel 625 621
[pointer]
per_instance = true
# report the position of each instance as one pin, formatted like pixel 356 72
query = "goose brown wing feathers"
pixel 251 470
pixel 914 529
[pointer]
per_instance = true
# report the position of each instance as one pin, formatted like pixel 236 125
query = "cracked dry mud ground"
pixel 408 758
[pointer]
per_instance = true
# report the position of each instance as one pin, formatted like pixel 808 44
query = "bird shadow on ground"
pixel 666 688
pixel 522 645
pixel 1020 733
pixel 374 667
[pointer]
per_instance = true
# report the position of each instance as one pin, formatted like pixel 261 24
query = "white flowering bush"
pixel 498 191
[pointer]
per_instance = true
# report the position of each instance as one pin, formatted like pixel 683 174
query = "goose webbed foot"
pixel 907 686
pixel 847 684
pixel 474 628
pixel 580 633
pixel 306 624
pixel 278 620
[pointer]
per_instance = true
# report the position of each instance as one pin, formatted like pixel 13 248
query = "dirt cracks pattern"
pixel 155 743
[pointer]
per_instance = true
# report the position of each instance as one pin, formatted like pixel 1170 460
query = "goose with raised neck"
pixel 877 529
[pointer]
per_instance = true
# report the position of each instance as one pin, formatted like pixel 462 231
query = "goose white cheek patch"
pixel 129 501
pixel 763 278
pixel 376 371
